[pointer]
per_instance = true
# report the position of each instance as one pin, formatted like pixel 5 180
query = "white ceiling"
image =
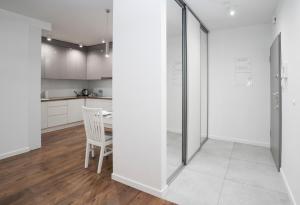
pixel 77 21
pixel 83 21
pixel 215 13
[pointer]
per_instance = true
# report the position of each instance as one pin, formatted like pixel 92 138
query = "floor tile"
pixel 174 152
pixel 242 194
pixel 209 164
pixel 252 153
pixel 218 148
pixel 192 188
pixel 255 174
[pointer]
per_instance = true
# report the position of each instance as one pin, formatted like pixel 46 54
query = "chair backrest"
pixel 93 124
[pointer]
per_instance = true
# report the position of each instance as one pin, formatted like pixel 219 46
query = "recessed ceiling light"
pixel 80 45
pixel 103 41
pixel 49 39
pixel 232 12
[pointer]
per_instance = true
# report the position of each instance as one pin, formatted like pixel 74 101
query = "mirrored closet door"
pixel 174 87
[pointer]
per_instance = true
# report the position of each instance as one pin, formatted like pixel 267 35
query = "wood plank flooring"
pixel 55 174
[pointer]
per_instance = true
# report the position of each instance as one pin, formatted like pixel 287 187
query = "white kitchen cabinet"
pixel 57 113
pixel 44 113
pixel 57 120
pixel 99 103
pixel 75 110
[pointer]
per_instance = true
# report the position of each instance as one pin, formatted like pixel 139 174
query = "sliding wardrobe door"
pixel 193 85
pixel 204 85
pixel 174 87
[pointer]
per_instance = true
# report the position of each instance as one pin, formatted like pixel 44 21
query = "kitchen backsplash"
pixel 104 85
pixel 63 88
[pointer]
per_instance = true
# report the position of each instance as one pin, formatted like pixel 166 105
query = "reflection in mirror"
pixel 174 87
pixel 204 86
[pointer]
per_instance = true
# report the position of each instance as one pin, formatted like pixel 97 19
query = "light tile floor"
pixel 174 150
pixel 225 173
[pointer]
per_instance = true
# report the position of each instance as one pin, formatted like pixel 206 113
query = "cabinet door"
pixel 76 64
pixel 75 110
pixel 55 62
pixel 99 103
pixel 43 60
pixel 44 113
pixel 106 68
pixel 94 65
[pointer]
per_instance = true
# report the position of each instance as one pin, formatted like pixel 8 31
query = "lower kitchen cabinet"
pixel 99 103
pixel 75 110
pixel 44 113
pixel 64 112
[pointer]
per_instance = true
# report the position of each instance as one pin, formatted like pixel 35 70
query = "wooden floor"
pixel 55 174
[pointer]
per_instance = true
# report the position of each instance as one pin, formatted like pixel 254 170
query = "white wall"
pixel 139 93
pixel 237 112
pixel 288 16
pixel 20 72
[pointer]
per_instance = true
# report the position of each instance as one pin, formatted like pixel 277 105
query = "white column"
pixel 139 94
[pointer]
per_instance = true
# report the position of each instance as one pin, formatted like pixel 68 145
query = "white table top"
pixel 107 120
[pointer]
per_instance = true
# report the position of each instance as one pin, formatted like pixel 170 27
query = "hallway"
pixel 226 173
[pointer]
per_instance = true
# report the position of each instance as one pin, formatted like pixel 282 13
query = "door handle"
pixel 276 94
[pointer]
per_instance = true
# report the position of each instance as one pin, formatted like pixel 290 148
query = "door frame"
pixel 185 161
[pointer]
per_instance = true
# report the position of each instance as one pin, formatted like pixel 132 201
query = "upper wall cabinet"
pixel 98 66
pixel 94 62
pixel 55 62
pixel 60 62
pixel 76 64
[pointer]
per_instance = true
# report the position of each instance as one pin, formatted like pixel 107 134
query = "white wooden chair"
pixel 95 135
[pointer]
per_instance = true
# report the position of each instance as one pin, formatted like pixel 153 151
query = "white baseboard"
pixel 139 186
pixel 60 127
pixel 239 140
pixel 290 193
pixel 14 152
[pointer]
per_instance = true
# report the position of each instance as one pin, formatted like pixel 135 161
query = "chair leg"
pixel 87 155
pixel 100 160
pixel 93 152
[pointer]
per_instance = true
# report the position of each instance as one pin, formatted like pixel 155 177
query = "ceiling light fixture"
pixel 106 27
pixel 232 12
pixel 49 39
pixel 107 50
pixel 80 45
pixel 106 34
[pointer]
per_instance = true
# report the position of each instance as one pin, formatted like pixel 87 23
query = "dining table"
pixel 107 121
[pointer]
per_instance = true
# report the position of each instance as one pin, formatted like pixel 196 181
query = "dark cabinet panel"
pixel 61 62
pixel 55 62
pixel 98 66
pixel 76 64
pixel 94 62
pixel 43 61
pixel 106 71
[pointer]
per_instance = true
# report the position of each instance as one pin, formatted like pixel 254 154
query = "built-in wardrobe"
pixel 187 85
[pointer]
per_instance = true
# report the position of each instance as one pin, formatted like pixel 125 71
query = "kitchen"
pixel 74 75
